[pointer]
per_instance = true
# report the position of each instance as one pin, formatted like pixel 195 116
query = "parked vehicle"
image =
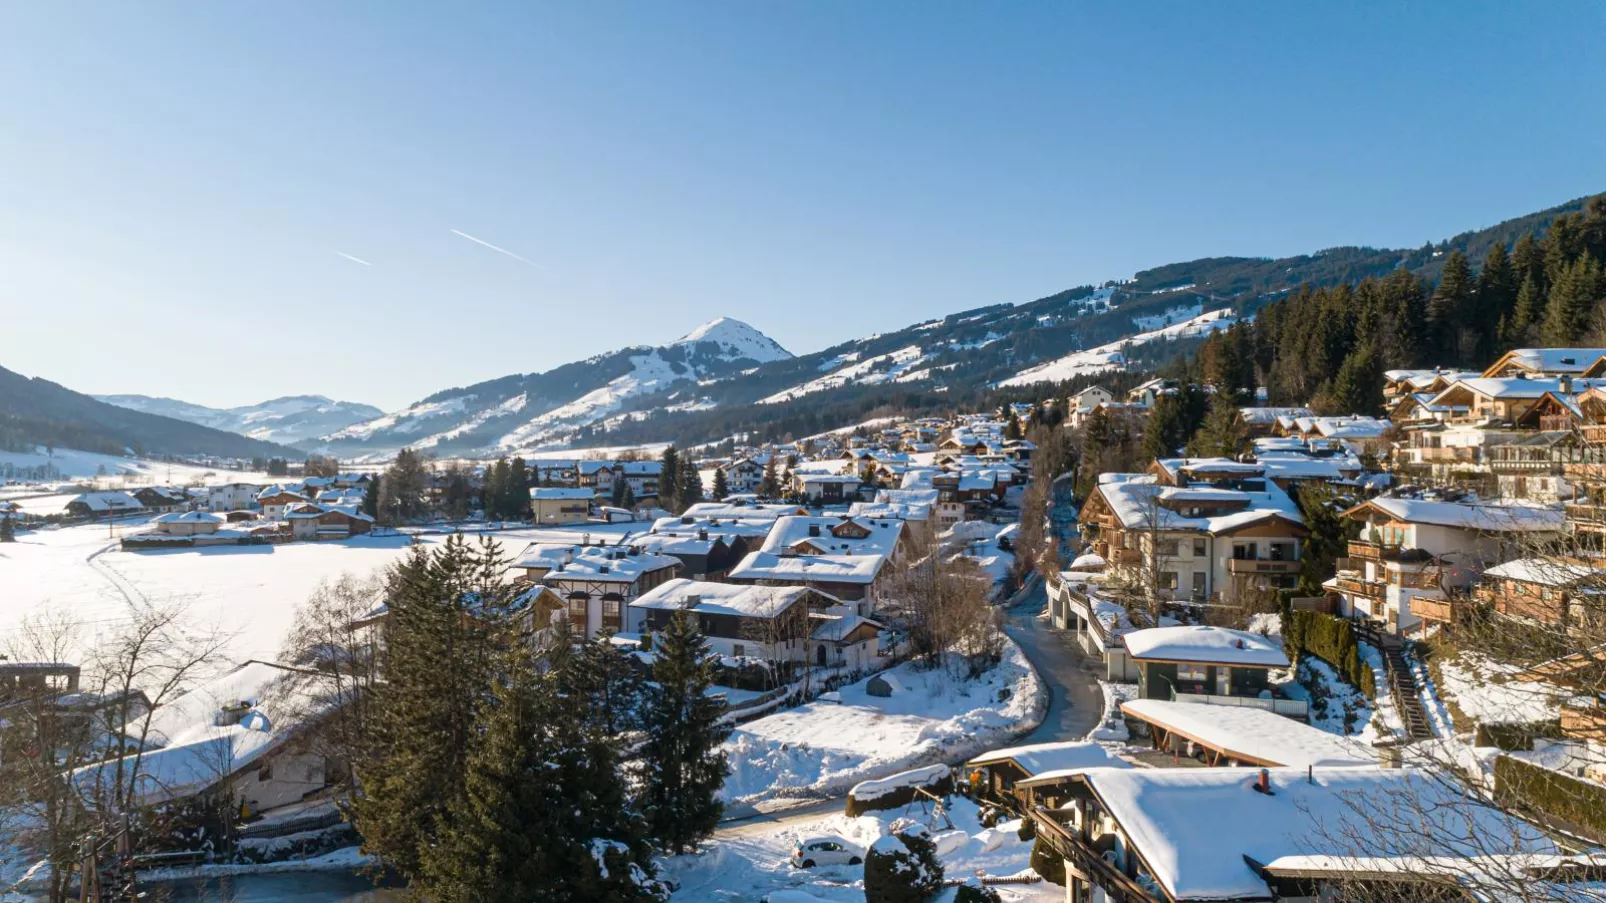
pixel 826 849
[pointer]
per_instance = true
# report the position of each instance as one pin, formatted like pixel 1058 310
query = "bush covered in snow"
pixel 900 789
pixel 902 867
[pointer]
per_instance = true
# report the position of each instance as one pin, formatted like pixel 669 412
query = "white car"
pixel 826 849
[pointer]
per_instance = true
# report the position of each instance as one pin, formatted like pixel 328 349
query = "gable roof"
pixel 1483 517
pixel 746 601
pixel 1204 644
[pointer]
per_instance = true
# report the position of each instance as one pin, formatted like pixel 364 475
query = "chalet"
pixel 743 510
pixel 188 523
pixel 743 475
pixel 1203 664
pixel 995 774
pixel 104 504
pixel 161 498
pixel 1280 834
pixel 598 582
pixel 1258 422
pixel 275 500
pixel 596 476
pixel 312 521
pixel 1222 530
pixel 1413 554
pixel 703 555
pixel 1548 591
pixel 1147 393
pixel 1243 735
pixel 917 516
pixel 766 622
pixel 842 639
pixel 642 477
pixel 1088 399
pixel 560 504
pixel 826 489
pixel 232 497
pixel 852 578
pixel 1552 362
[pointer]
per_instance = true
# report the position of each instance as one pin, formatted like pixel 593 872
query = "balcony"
pixel 1593 515
pixel 1261 566
pixel 1430 609
pixel 1594 433
pixel 1586 473
pixel 1427 578
pixel 1125 556
pixel 1356 586
pixel 1373 551
pixel 1446 455
pixel 1293 708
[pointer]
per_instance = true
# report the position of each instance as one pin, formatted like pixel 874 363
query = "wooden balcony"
pixel 1426 578
pixel 1373 551
pixel 1594 433
pixel 1446 455
pixel 1587 723
pixel 1592 515
pixel 1125 556
pixel 1430 609
pixel 1358 587
pixel 1584 473
pixel 1261 566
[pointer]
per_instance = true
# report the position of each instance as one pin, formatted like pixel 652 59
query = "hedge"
pixel 1331 639
pixel 1579 804
pixel 1512 736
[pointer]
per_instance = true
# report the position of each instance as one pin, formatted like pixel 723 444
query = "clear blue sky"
pixel 176 179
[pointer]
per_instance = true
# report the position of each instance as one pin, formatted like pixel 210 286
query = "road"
pixel 1075 708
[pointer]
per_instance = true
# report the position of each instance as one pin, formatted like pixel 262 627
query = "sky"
pixel 374 201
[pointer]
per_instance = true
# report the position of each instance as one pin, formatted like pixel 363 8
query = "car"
pixel 826 849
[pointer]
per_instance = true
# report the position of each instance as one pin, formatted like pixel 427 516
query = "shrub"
pixel 1512 736
pixel 1048 863
pixel 976 893
pixel 902 867
pixel 1331 639
pixel 1580 804
pixel 1027 829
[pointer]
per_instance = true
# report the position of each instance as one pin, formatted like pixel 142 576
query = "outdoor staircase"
pixel 1402 686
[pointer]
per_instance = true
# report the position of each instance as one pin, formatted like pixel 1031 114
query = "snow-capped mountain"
pixel 523 412
pixel 287 420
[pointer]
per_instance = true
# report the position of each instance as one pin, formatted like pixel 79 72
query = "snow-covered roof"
pixel 823 478
pixel 803 568
pixel 1087 561
pixel 1482 517
pixel 607 564
pixel 1040 758
pixel 1130 497
pixel 836 627
pixel 1203 643
pixel 108 501
pixel 1544 571
pixel 188 517
pixel 896 510
pixel 1268 416
pixel 1194 827
pixel 750 527
pixel 794 531
pixel 560 493
pixel 1253 734
pixel 722 598
pixel 745 511
pixel 1549 360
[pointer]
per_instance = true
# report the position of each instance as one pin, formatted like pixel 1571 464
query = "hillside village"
pixel 1336 605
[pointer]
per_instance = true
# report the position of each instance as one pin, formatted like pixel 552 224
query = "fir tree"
pixel 8 530
pixel 691 484
pixel 404 485
pixel 1448 309
pixel 1523 312
pixel 617 496
pixel 721 487
pixel 682 761
pixel 517 489
pixel 1219 435
pixel 770 485
pixel 1012 430
pixel 1357 389
pixel 1497 291
pixel 1572 300
pixel 669 480
pixel 370 497
pixel 627 499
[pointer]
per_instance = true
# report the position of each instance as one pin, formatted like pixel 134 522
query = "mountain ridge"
pixel 287 419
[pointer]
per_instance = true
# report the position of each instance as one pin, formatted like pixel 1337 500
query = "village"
pixel 1274 634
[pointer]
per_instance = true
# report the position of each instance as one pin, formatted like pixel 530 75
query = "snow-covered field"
pixel 248 591
pixel 117 471
pixel 824 748
pixel 752 866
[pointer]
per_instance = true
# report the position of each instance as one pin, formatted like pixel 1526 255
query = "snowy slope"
pixel 894 366
pixel 525 413
pixel 1112 357
pixel 293 418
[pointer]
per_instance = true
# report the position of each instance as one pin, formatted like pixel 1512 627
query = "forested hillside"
pixel 35 412
pixel 1330 344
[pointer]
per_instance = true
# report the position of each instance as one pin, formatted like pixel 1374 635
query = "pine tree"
pixel 691 484
pixel 1357 389
pixel 627 499
pixel 1572 300
pixel 8 530
pixel 1523 312
pixel 517 489
pixel 617 497
pixel 1448 309
pixel 404 485
pixel 1012 430
pixel 1219 435
pixel 770 485
pixel 721 487
pixel 370 497
pixel 682 761
pixel 1497 292
pixel 669 480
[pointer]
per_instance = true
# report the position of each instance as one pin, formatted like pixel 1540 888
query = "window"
pixel 1193 673
pixel 1198 548
pixel 1243 551
pixel 1282 551
pixel 1168 579
pixel 738 650
pixel 577 609
pixel 1198 583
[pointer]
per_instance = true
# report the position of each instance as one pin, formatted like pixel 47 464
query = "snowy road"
pixel 1075 703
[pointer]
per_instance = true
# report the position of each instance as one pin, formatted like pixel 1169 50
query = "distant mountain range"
pixel 287 420
pixel 726 379
pixel 38 412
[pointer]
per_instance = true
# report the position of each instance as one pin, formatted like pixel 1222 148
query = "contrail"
pixel 481 241
pixel 354 259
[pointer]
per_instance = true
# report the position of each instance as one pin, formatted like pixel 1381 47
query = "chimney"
pixel 687 520
pixel 703 533
pixel 604 569
pixel 1566 384
pixel 692 600
pixel 1263 783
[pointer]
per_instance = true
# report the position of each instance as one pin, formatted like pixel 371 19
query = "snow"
pixel 1203 643
pixel 915 777
pixel 1041 759
pixel 1110 357
pixel 809 568
pixel 290 419
pixel 737 340
pixel 881 368
pixel 120 471
pixel 1257 733
pixel 1483 517
pixel 722 598
pixel 1488 692
pixel 822 749
pixel 752 863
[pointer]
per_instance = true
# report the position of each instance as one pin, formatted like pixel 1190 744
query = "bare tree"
pixel 944 599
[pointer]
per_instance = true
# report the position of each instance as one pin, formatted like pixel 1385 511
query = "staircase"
pixel 1402 686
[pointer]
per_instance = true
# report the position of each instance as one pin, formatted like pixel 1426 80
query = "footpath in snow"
pixel 823 748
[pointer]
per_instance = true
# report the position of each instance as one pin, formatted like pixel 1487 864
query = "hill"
pixel 38 412
pixel 287 420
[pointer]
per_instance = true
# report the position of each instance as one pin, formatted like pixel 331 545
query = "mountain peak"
pixel 737 337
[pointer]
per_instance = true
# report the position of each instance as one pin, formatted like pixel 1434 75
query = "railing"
pixel 1373 551
pixel 1261 566
pixel 1370 588
pixel 1594 432
pixel 1126 556
pixel 1064 840
pixel 1431 609
pixel 1426 578
pixel 1293 708
pixel 1586 514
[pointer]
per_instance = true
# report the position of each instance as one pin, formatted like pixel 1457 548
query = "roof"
pixel 793 531
pixel 1040 758
pixel 1130 496
pixel 557 493
pixel 1268 416
pixel 607 564
pixel 108 501
pixel 1543 571
pixel 1202 643
pixel 188 517
pixel 801 568
pixel 1484 517
pixel 1252 734
pixel 723 598
pixel 1548 360
pixel 836 627
pixel 1194 827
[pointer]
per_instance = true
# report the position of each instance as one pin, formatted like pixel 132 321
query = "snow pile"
pixel 824 749
pixel 917 777
pixel 1487 692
